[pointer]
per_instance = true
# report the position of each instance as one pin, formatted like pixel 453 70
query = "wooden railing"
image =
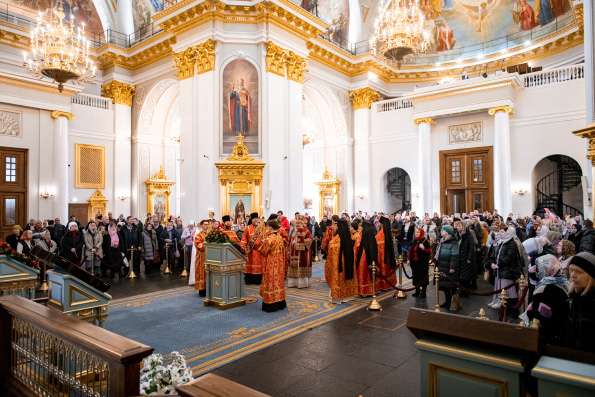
pixel 46 353
pixel 91 100
pixel 393 104
pixel 537 79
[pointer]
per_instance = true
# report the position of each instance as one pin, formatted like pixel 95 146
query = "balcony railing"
pixel 537 79
pixel 393 104
pixel 93 101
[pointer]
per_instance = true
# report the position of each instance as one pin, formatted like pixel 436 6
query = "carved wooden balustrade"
pixel 46 353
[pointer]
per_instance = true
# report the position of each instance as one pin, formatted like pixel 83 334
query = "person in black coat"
pixel 580 326
pixel 447 259
pixel 467 253
pixel 406 235
pixel 13 238
pixel 586 238
pixel 169 237
pixel 71 246
pixel 506 261
pixel 132 241
pixel 419 259
pixel 112 261
pixel 57 231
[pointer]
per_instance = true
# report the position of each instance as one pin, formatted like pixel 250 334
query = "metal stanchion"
pixel 437 282
pixel 374 304
pixel 400 294
pixel 504 302
pixel 167 269
pixel 44 278
pixel 185 272
pixel 131 273
pixel 93 261
pixel 316 257
pixel 482 314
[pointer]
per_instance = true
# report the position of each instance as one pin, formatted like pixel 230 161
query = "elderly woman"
pixel 447 259
pixel 150 249
pixel 93 247
pixel 13 238
pixel 549 299
pixel 112 251
pixel 506 261
pixel 580 325
pixel 72 244
pixel 46 243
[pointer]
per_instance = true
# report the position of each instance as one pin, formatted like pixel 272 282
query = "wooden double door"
pixel 13 189
pixel 466 180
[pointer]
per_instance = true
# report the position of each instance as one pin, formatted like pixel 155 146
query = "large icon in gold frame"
pixel 240 176
pixel 158 194
pixel 329 188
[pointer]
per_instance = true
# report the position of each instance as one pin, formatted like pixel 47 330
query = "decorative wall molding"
pixel 120 93
pixel 276 59
pixel 196 59
pixel 363 98
pixel 463 133
pixel 296 67
pixel 10 123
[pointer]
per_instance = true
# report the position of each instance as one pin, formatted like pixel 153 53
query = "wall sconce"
pixel 360 196
pixel 520 191
pixel 306 139
pixel 46 195
pixel 122 197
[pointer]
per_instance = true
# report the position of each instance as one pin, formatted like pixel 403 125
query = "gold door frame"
pixel 156 185
pixel 329 186
pixel 240 174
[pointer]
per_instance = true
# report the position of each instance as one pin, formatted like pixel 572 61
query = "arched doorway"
pixel 397 190
pixel 558 185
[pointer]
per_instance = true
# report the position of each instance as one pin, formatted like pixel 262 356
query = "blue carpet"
pixel 176 319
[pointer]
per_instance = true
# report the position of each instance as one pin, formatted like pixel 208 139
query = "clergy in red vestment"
pixel 339 266
pixel 254 231
pixel 366 253
pixel 233 237
pixel 199 262
pixel 272 288
pixel 300 258
pixel 386 276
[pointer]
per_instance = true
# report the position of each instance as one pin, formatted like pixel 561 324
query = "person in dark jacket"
pixel 467 245
pixel 447 258
pixel 13 238
pixel 549 304
pixel 507 262
pixel 580 326
pixel 169 238
pixel 112 251
pixel 406 235
pixel 58 231
pixel 419 259
pixel 72 244
pixel 586 238
pixel 132 241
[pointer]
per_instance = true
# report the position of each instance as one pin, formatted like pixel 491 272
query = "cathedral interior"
pixel 289 198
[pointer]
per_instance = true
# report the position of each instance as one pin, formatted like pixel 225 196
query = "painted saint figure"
pixel 240 109
pixel 239 212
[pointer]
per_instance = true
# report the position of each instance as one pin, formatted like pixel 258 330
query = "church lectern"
pixel 224 266
pixel 465 356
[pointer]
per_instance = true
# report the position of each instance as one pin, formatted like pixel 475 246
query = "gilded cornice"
pixel 110 56
pixel 196 59
pixel 296 67
pixel 120 93
pixel 15 37
pixel 276 59
pixel 505 108
pixel 579 16
pixel 363 98
pixel 60 113
pixel 424 120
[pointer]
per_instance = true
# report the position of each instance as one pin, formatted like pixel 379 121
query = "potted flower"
pixel 161 375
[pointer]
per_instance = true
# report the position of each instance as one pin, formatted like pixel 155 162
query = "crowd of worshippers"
pixel 110 246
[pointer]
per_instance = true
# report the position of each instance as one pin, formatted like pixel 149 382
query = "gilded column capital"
pixel 199 58
pixel 591 151
pixel 362 98
pixel 424 120
pixel 60 113
pixel 296 67
pixel 579 16
pixel 120 93
pixel 276 59
pixel 504 108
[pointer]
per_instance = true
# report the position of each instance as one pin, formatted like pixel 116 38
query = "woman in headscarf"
pixel 112 251
pixel 46 242
pixel 169 238
pixel 386 277
pixel 93 247
pixel 419 259
pixel 366 251
pixel 506 261
pixel 339 266
pixel 72 244
pixel 549 300
pixel 447 260
pixel 580 325
pixel 150 248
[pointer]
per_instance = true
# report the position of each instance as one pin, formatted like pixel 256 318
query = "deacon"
pixel 272 288
pixel 253 232
pixel 386 277
pixel 340 264
pixel 197 266
pixel 300 259
pixel 366 252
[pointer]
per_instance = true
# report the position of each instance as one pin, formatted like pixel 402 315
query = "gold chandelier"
pixel 59 49
pixel 400 31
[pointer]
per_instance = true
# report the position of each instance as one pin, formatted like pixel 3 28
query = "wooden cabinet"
pixel 466 180
pixel 13 189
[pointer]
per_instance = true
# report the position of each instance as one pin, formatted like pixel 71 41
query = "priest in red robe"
pixel 300 258
pixel 272 249
pixel 254 231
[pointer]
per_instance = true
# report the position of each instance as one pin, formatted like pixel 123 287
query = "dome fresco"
pixel 83 11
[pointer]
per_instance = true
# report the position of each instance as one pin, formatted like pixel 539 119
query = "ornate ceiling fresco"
pixel 83 10
pixel 142 11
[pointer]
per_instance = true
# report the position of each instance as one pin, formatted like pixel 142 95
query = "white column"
pixel 122 160
pixel 295 147
pixel 424 161
pixel 361 161
pixel 502 160
pixel 61 163
pixel 190 153
pixel 589 49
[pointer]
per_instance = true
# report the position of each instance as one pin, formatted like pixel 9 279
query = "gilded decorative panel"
pixel 90 167
pixel 10 123
pixel 463 133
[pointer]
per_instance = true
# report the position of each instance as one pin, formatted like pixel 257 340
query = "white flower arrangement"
pixel 156 377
